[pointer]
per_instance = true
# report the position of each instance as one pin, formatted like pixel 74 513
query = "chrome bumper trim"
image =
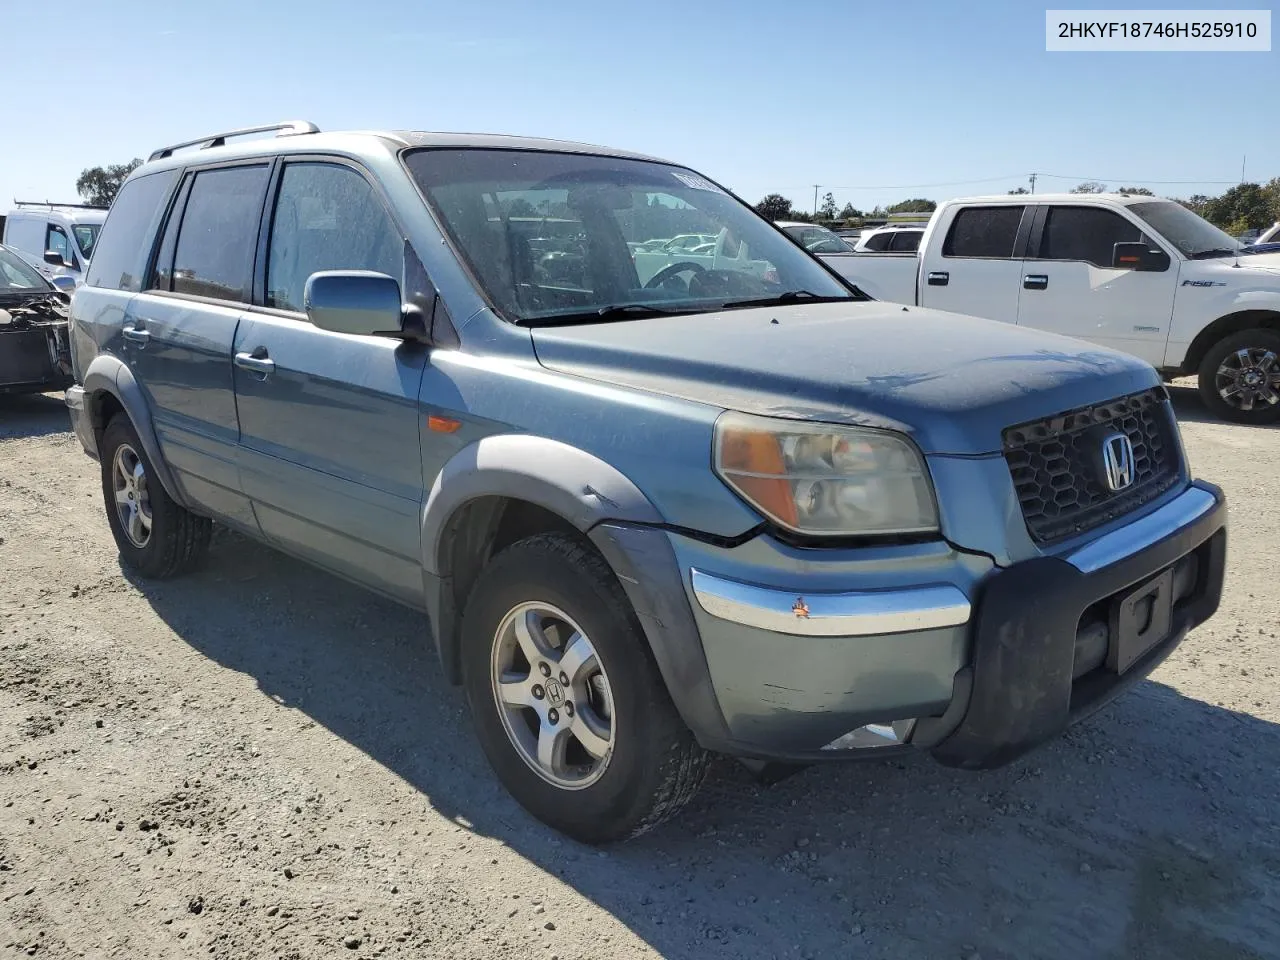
pixel 1115 546
pixel 860 613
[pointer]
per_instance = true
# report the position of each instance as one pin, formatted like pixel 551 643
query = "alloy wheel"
pixel 133 502
pixel 1249 377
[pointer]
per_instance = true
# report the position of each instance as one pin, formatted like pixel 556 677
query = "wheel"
pixel 567 701
pixel 156 537
pixel 1240 377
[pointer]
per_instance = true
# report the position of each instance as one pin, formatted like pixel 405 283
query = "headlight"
pixel 820 479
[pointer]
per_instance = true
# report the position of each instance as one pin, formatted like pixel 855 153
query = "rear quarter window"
pixel 983 232
pixel 120 258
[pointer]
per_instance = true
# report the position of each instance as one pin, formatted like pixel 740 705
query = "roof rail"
pixel 51 204
pixel 289 128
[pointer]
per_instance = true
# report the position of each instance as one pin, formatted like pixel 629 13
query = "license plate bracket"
pixel 1140 618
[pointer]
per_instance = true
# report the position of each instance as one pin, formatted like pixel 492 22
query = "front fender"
pixel 108 374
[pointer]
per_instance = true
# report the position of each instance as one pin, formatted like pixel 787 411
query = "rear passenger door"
pixel 1070 287
pixel 977 267
pixel 178 332
pixel 329 426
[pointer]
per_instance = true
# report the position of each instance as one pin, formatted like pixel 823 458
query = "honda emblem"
pixel 1117 462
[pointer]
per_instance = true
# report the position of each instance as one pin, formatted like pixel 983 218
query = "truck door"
pixel 977 268
pixel 1070 287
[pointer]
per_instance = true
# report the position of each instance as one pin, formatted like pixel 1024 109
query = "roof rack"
pixel 51 204
pixel 288 128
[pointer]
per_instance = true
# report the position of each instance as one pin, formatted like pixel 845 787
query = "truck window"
pixel 216 241
pixel 984 232
pixel 906 241
pixel 123 247
pixel 880 241
pixel 1085 233
pixel 56 240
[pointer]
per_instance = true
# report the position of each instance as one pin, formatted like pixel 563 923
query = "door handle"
pixel 939 278
pixel 261 365
pixel 1035 281
pixel 136 335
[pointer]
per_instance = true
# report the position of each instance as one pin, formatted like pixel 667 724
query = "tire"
pixel 177 540
pixel 652 767
pixel 1221 364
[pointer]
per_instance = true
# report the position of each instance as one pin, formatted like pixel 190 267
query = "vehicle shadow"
pixel 1188 407
pixel 32 415
pixel 1149 831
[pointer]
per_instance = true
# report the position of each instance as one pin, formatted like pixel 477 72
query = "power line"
pixel 1064 176
pixel 1017 176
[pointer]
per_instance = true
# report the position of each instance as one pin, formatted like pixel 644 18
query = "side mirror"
pixel 64 283
pixel 354 301
pixel 54 258
pixel 1138 256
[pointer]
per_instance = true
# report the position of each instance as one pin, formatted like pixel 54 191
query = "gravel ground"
pixel 261 761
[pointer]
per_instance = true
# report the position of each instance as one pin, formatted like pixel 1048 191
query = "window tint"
pixel 880 241
pixel 124 244
pixel 214 256
pixel 906 241
pixel 1085 233
pixel 56 240
pixel 983 232
pixel 327 217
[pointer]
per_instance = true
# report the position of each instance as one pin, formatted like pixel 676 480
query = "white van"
pixel 56 238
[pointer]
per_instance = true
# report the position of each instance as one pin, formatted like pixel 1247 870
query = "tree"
pixel 1137 191
pixel 1245 203
pixel 1019 190
pixel 850 212
pixel 774 207
pixel 914 206
pixel 828 208
pixel 99 185
pixel 1090 186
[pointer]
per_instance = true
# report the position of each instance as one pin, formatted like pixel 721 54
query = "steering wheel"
pixel 660 278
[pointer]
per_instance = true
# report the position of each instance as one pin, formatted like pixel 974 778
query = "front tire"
pixel 1239 378
pixel 157 537
pixel 567 701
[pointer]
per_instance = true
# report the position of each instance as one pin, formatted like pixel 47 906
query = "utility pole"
pixel 1032 178
pixel 1242 160
pixel 815 200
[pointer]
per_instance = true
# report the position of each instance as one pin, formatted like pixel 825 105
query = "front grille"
pixel 1056 463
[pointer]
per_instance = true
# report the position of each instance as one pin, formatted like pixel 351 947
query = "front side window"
pixel 1085 233
pixel 86 235
pixel 17 275
pixel 56 240
pixel 1193 235
pixel 983 232
pixel 561 237
pixel 327 217
pixel 214 254
pixel 123 246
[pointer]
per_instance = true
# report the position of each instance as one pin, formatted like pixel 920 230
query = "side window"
pixel 987 232
pixel 1085 233
pixel 56 240
pixel 906 241
pixel 880 241
pixel 327 217
pixel 120 256
pixel 214 255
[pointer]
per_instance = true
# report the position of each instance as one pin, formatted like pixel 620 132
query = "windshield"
pixel 818 239
pixel 1193 235
pixel 86 237
pixel 17 274
pixel 562 237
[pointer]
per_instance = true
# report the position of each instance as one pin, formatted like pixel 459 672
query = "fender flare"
pixel 109 374
pixel 569 482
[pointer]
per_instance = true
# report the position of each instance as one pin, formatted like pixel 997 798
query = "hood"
pixel 1265 263
pixel 951 382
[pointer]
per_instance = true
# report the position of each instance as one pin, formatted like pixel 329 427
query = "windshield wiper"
pixel 791 296
pixel 1215 252
pixel 617 311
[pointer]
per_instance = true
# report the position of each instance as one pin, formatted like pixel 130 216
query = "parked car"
pixel 1134 273
pixel 725 508
pixel 893 237
pixel 814 238
pixel 1270 235
pixel 34 352
pixel 1268 241
pixel 56 238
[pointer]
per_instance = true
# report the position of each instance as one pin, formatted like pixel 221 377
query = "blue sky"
pixel 866 98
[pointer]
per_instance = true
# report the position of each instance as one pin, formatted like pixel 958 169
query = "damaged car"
pixel 34 349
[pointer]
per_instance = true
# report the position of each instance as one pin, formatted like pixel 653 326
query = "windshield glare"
pixel 86 237
pixel 16 274
pixel 1186 230
pixel 561 235
pixel 818 239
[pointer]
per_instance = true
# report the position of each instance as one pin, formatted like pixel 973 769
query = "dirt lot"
pixel 261 761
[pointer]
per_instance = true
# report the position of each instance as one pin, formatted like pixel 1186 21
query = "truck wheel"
pixel 156 537
pixel 1240 377
pixel 567 701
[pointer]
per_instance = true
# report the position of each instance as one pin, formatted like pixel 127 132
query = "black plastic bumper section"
pixel 1025 641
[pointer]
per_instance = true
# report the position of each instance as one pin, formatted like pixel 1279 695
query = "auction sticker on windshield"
pixel 695 182
pixel 1157 31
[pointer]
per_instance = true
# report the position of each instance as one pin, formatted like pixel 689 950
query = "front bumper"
pixel 34 359
pixel 948 653
pixel 81 421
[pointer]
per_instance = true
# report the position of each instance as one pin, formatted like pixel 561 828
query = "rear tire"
pixel 157 537
pixel 1240 375
pixel 636 764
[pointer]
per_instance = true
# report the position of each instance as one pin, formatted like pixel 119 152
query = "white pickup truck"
pixel 1135 273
